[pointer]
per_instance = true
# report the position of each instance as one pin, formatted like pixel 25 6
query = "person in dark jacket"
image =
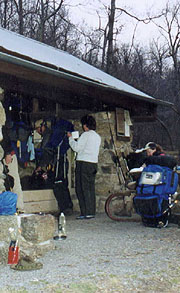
pixel 157 156
pixel 58 179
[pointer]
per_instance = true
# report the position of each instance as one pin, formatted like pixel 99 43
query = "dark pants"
pixel 85 187
pixel 61 190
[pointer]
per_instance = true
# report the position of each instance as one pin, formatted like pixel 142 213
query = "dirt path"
pixel 100 255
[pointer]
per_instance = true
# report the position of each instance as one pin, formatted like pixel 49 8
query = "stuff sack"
pixel 151 206
pixel 157 180
pixel 8 201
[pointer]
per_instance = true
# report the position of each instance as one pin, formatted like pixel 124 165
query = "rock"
pixel 37 228
pixel 5 223
pixel 35 250
pixel 35 239
pixel 4 247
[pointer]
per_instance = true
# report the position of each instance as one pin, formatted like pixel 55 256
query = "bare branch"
pixel 56 10
pixel 145 20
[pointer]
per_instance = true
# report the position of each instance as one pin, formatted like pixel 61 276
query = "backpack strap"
pixel 172 178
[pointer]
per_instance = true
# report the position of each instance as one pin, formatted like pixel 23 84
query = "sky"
pixel 88 11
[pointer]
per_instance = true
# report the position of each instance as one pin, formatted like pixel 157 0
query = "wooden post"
pixel 35 105
pixel 58 110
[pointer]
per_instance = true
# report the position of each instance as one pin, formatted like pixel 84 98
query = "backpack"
pixel 8 201
pixel 157 180
pixel 59 129
pixel 155 185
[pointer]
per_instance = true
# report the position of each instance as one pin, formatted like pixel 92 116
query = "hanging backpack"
pixel 59 129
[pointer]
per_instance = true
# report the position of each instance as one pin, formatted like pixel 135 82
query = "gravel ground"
pixel 100 255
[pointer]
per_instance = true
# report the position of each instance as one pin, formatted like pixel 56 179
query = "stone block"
pixel 101 204
pixel 35 239
pixel 35 250
pixel 40 201
pixel 37 228
pixel 5 223
pixel 4 248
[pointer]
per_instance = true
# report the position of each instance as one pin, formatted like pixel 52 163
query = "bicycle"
pixel 113 204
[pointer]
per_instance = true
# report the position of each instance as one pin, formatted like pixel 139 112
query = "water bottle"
pixel 62 226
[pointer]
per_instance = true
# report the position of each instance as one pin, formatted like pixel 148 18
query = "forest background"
pixel 152 67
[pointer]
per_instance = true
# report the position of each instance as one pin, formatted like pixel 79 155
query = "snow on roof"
pixel 62 60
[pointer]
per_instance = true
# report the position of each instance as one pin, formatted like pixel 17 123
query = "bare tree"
pixel 158 55
pixel 7 13
pixel 21 10
pixel 170 31
pixel 112 31
pixel 47 10
pixel 110 37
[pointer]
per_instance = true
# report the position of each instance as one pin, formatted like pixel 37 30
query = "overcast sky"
pixel 88 11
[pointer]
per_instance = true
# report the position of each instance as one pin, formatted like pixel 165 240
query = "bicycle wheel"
pixel 113 206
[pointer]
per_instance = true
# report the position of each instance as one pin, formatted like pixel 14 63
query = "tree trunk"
pixel 110 38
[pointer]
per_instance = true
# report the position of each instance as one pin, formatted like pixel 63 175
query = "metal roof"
pixel 17 48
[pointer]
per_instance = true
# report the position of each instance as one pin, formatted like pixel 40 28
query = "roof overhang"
pixel 67 88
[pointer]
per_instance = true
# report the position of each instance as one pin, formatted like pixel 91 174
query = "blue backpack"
pixel 59 129
pixel 157 180
pixel 155 185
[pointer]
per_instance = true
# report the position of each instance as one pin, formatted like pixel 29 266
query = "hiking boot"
pixel 81 217
pixel 90 217
pixel 162 224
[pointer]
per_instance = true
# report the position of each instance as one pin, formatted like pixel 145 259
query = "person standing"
pixel 11 162
pixel 87 149
pixel 46 154
pixel 54 148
